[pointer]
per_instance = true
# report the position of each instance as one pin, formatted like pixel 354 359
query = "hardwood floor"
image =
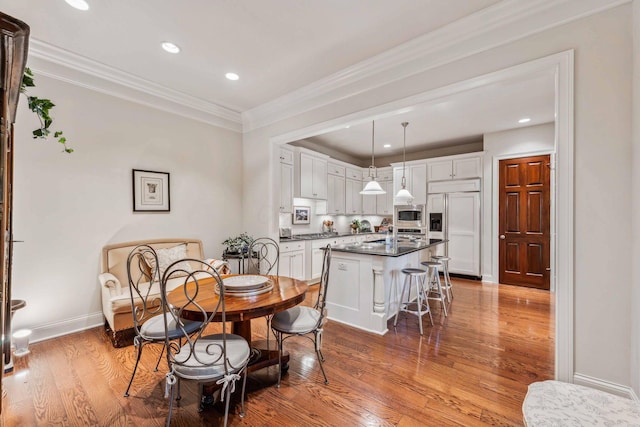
pixel 472 368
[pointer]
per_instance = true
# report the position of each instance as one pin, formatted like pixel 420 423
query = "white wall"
pixel 500 145
pixel 635 198
pixel 68 206
pixel 602 169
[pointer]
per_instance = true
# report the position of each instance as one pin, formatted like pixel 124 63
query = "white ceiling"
pixel 456 119
pixel 279 46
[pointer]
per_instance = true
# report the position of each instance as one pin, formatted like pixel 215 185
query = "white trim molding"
pixel 67 326
pixel 51 61
pixel 609 387
pixel 500 24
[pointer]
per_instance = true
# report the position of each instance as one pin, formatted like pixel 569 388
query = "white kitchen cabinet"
pixel 335 169
pixel 292 260
pixel 353 173
pixel 286 181
pixel 311 176
pixel 286 156
pixel 368 202
pixel 335 195
pixel 384 202
pixel 416 180
pixel 454 168
pixel 353 198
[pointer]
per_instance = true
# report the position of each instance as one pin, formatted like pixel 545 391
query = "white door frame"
pixel 562 65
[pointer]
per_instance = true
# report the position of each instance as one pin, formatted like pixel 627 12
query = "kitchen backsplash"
pixel 341 223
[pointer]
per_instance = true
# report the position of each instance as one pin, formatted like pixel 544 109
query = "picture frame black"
pixel 151 191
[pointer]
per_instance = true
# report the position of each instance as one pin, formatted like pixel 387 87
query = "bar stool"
pixel 420 306
pixel 444 262
pixel 434 286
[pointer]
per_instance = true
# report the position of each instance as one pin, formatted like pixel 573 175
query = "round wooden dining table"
pixel 286 293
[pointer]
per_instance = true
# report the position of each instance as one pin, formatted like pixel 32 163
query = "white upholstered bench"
pixel 555 403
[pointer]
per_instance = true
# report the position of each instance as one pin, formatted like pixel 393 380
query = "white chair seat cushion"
pixel 205 364
pixel 555 403
pixel 153 328
pixel 296 320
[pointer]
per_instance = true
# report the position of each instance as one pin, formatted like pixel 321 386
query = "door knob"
pixel 502 237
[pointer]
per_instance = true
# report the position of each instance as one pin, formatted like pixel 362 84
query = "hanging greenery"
pixel 42 108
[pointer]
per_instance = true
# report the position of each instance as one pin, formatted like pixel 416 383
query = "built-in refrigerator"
pixel 453 214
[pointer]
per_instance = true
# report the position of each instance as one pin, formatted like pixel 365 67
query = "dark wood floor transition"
pixel 471 368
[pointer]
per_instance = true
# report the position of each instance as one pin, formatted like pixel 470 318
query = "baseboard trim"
pixel 65 327
pixel 613 388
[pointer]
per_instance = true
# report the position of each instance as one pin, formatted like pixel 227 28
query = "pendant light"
pixel 404 197
pixel 373 187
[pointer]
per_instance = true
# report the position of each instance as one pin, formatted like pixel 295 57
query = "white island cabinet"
pixel 365 282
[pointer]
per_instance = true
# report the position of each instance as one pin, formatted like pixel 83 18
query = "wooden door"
pixel 524 223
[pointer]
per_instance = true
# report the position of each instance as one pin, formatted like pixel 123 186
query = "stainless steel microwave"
pixel 410 216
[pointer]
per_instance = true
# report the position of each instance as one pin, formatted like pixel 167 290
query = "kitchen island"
pixel 365 280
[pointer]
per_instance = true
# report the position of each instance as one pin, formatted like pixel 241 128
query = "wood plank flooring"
pixel 472 368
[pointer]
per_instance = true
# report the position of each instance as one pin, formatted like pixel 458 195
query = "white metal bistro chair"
pixel 220 358
pixel 143 275
pixel 304 321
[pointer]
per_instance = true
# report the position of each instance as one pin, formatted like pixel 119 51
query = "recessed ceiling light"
pixel 78 4
pixel 232 76
pixel 170 47
pixel 524 120
pixel 387 145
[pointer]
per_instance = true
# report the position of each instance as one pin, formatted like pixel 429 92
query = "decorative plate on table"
pixel 266 287
pixel 244 282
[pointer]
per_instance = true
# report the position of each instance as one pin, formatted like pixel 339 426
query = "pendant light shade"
pixel 404 197
pixel 373 187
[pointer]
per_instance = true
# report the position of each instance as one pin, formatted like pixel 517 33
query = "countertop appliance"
pixel 409 216
pixel 285 233
pixel 454 215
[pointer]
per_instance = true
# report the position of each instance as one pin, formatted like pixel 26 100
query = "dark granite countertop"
pixel 399 248
pixel 319 236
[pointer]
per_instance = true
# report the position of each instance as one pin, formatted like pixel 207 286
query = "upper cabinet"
pixel 384 202
pixel 458 167
pixel 310 175
pixel 335 189
pixel 416 180
pixel 353 198
pixel 286 180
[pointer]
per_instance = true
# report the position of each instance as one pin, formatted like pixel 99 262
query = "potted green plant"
pixel 355 226
pixel 238 244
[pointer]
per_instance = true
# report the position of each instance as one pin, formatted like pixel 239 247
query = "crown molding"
pixel 75 69
pixel 500 24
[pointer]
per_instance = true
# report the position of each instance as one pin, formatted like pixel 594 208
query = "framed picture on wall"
pixel 150 191
pixel 301 215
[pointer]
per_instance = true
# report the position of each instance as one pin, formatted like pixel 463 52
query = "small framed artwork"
pixel 301 215
pixel 150 191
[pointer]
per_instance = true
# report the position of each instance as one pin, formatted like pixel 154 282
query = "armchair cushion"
pixel 168 256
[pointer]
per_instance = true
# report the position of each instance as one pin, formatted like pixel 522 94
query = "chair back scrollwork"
pixel 264 256
pixel 143 285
